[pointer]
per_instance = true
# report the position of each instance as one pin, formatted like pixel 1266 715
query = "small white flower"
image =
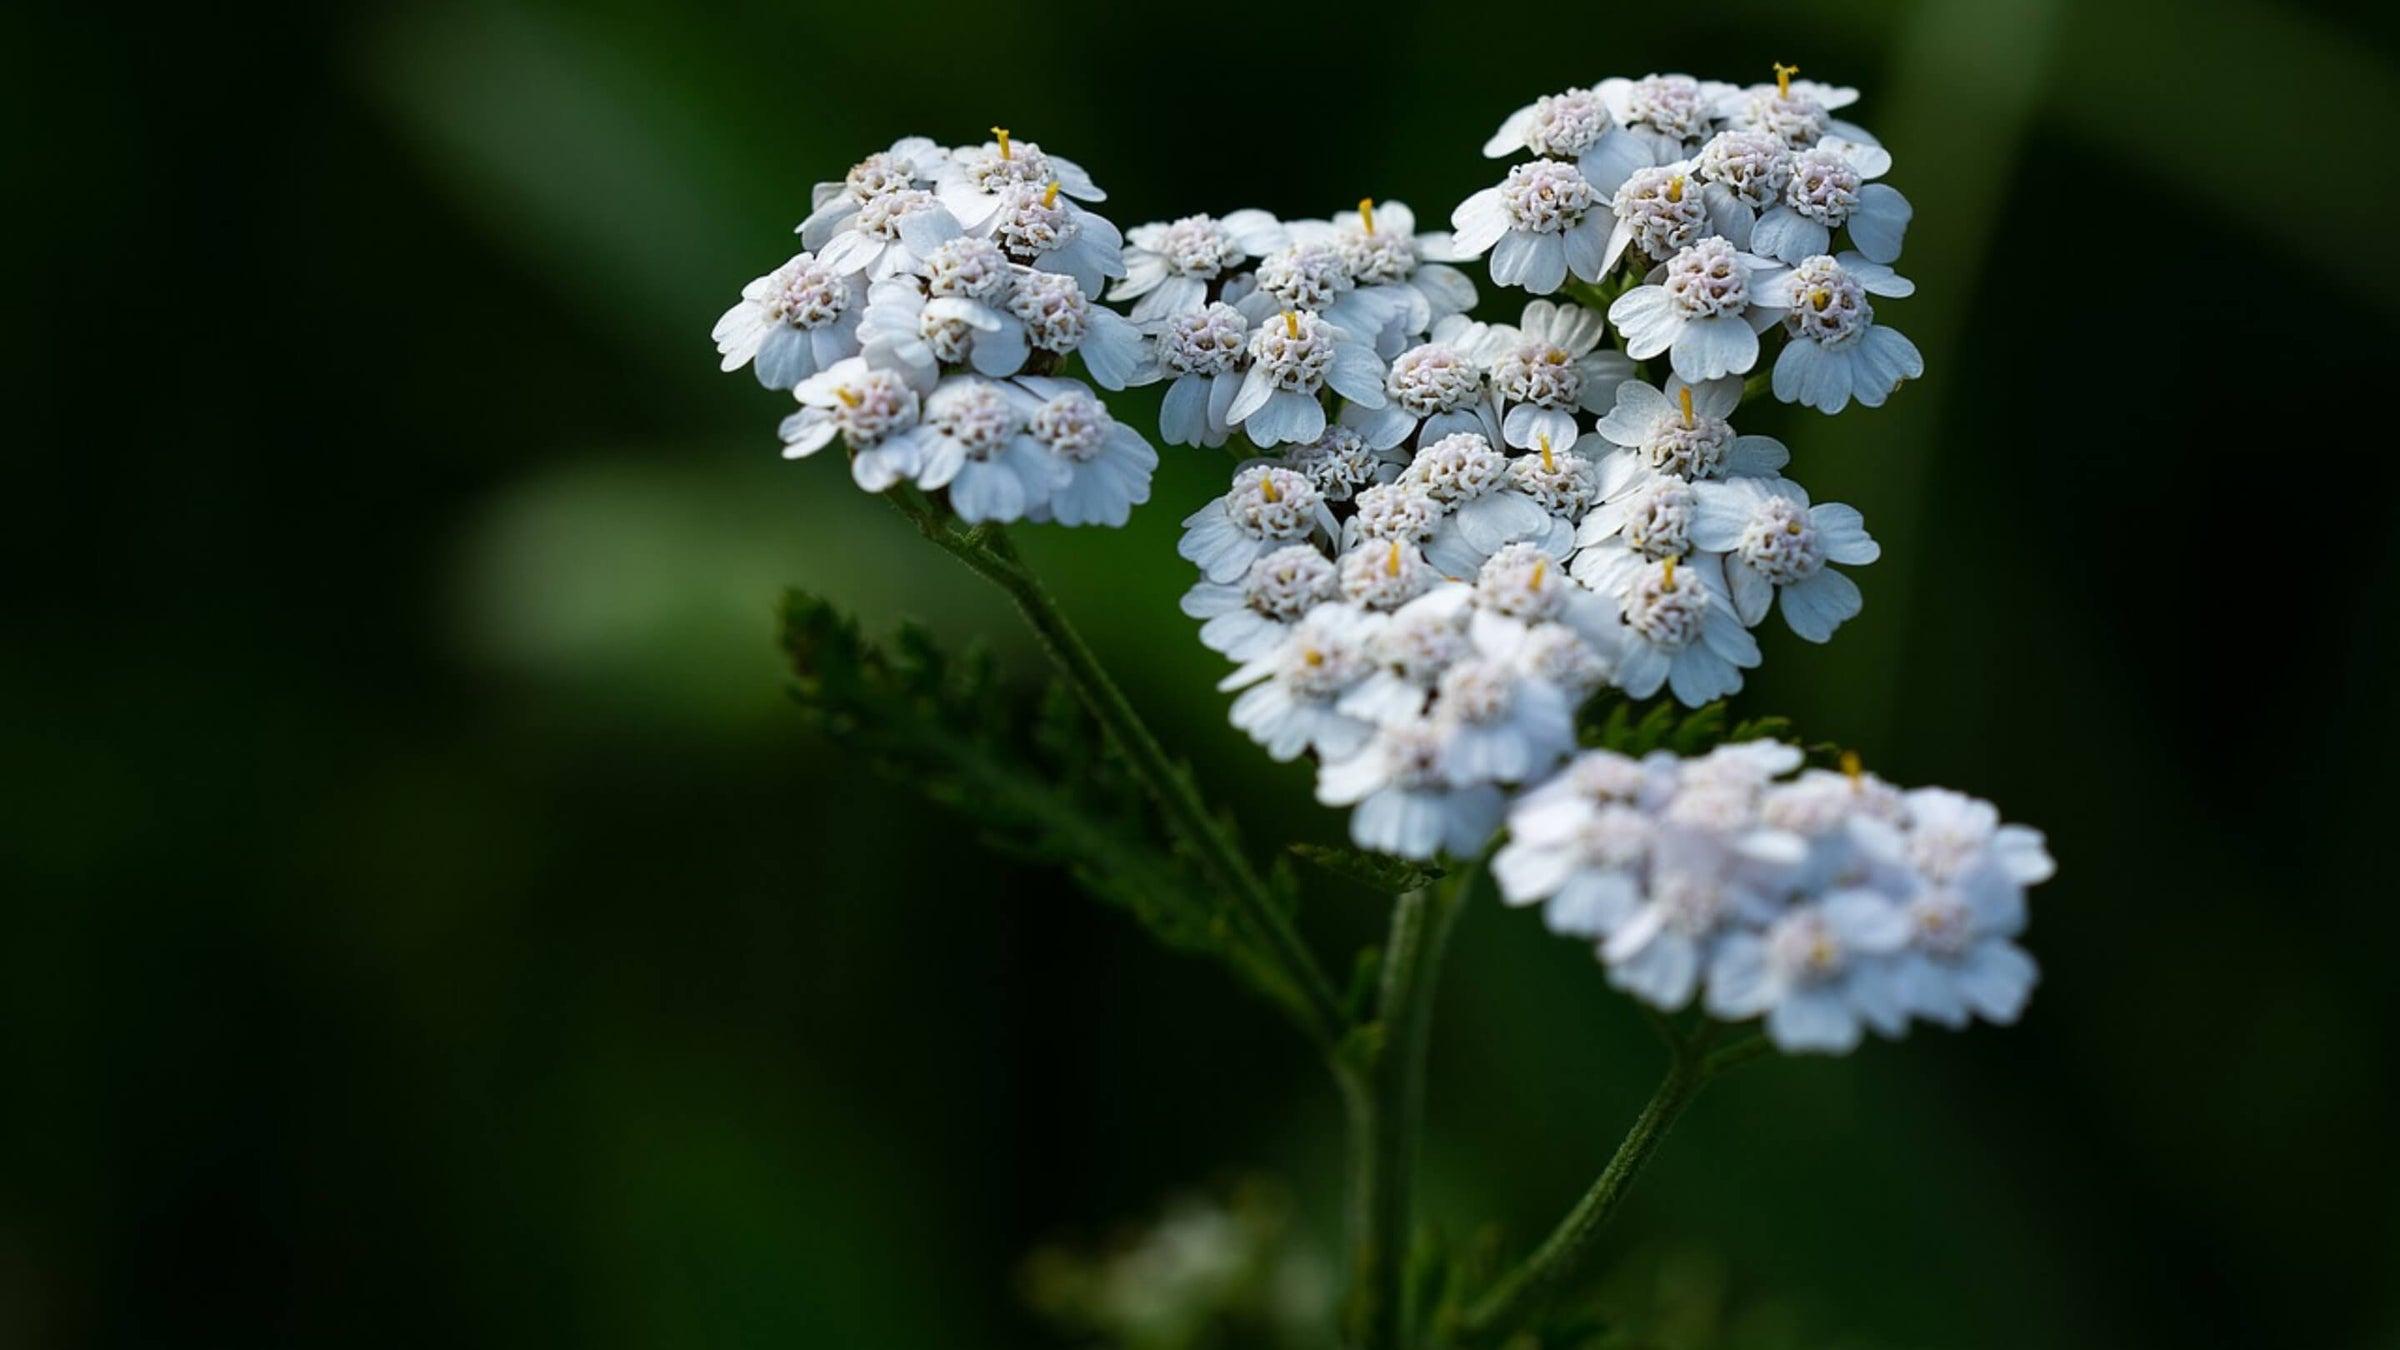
pixel 1546 368
pixel 1313 275
pixel 1411 650
pixel 792 323
pixel 975 442
pixel 1579 841
pixel 1696 894
pixel 1681 432
pixel 1294 356
pixel 1522 585
pixel 1387 511
pixel 1820 973
pixel 1743 173
pixel 1457 468
pixel 1390 258
pixel 1705 307
pixel 1542 224
pixel 1292 692
pixel 1268 507
pixel 1798 112
pixel 906 329
pixel 1203 352
pixel 1662 210
pixel 863 405
pixel 1170 266
pixel 976 182
pixel 1470 478
pixel 1059 318
pixel 1406 802
pixel 1343 464
pixel 1432 390
pixel 1248 620
pixel 1576 125
pixel 1965 904
pixel 1548 653
pixel 1668 113
pixel 1537 503
pixel 1560 482
pixel 1048 231
pixel 1500 726
pixel 889 234
pixel 1680 630
pixel 1777 546
pixel 1108 463
pixel 1383 575
pixel 1827 192
pixel 1655 519
pixel 1837 351
pixel 912 162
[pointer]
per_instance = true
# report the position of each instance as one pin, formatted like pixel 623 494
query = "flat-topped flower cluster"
pixel 1454 530
pixel 927 324
pixel 1443 536
pixel 1730 205
pixel 1830 904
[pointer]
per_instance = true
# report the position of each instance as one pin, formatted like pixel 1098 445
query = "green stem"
pixel 1520 1292
pixel 1386 1099
pixel 1307 993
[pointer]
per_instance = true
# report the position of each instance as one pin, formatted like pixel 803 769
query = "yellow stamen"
pixel 1540 567
pixel 1313 657
pixel 1050 198
pixel 1818 300
pixel 1549 465
pixel 1291 325
pixel 1783 79
pixel 849 397
pixel 1266 488
pixel 1669 582
pixel 1850 766
pixel 1685 394
pixel 1002 133
pixel 1392 568
pixel 1366 213
pixel 1675 188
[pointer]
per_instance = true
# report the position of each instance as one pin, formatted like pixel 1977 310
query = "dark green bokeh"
pixel 425 922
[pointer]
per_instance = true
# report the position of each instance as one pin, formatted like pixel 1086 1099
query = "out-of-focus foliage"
pixel 1230 1272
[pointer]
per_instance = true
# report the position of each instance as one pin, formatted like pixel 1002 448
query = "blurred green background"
pixel 424 920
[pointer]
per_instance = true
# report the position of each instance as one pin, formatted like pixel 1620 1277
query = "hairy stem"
pixel 1386 1097
pixel 1520 1292
pixel 1305 991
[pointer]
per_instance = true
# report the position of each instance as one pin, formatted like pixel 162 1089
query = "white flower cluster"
pixel 1461 529
pixel 1378 581
pixel 1255 322
pixel 1830 904
pixel 1728 206
pixel 927 323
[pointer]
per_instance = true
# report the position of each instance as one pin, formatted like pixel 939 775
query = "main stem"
pixel 1386 1098
pixel 1521 1290
pixel 1308 994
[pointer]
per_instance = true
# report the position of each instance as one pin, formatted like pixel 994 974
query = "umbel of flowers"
pixel 927 324
pixel 1444 536
pixel 1437 555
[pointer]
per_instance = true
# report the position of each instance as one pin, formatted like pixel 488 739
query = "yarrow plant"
pixel 1492 579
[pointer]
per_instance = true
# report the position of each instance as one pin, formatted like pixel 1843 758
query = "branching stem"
pixel 1384 1088
pixel 1520 1292
pixel 1305 991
